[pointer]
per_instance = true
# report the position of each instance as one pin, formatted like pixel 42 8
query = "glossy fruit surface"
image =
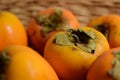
pixel 106 67
pixel 23 63
pixel 47 22
pixel 72 53
pixel 12 30
pixel 109 25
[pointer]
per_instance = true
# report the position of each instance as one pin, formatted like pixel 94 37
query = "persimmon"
pixel 72 52
pixel 12 31
pixel 18 62
pixel 47 22
pixel 109 25
pixel 106 67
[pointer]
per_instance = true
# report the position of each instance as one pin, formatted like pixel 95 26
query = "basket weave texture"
pixel 84 10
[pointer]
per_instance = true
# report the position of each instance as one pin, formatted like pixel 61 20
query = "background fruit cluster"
pixel 112 22
pixel 84 10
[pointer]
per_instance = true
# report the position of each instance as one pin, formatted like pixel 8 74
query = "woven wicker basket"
pixel 83 9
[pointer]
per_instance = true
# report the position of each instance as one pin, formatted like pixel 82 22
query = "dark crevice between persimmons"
pixel 52 22
pixel 104 29
pixel 115 71
pixel 80 38
pixel 4 61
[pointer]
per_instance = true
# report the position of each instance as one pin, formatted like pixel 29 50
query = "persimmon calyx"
pixel 52 22
pixel 80 38
pixel 4 61
pixel 115 71
pixel 104 29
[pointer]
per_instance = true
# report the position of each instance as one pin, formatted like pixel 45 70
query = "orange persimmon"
pixel 12 31
pixel 18 62
pixel 72 52
pixel 106 67
pixel 109 25
pixel 47 22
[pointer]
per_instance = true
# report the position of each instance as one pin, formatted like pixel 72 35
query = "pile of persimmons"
pixel 53 46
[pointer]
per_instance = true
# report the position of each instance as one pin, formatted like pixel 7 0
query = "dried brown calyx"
pixel 4 61
pixel 52 22
pixel 104 29
pixel 115 71
pixel 80 38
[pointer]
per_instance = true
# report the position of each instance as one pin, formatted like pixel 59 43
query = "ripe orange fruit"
pixel 12 31
pixel 48 22
pixel 18 62
pixel 106 67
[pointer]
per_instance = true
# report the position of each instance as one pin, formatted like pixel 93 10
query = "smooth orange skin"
pixel 34 29
pixel 12 30
pixel 27 64
pixel 71 62
pixel 99 69
pixel 113 22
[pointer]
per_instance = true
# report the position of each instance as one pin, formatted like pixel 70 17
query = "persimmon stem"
pixel 104 29
pixel 115 71
pixel 52 22
pixel 81 39
pixel 4 61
